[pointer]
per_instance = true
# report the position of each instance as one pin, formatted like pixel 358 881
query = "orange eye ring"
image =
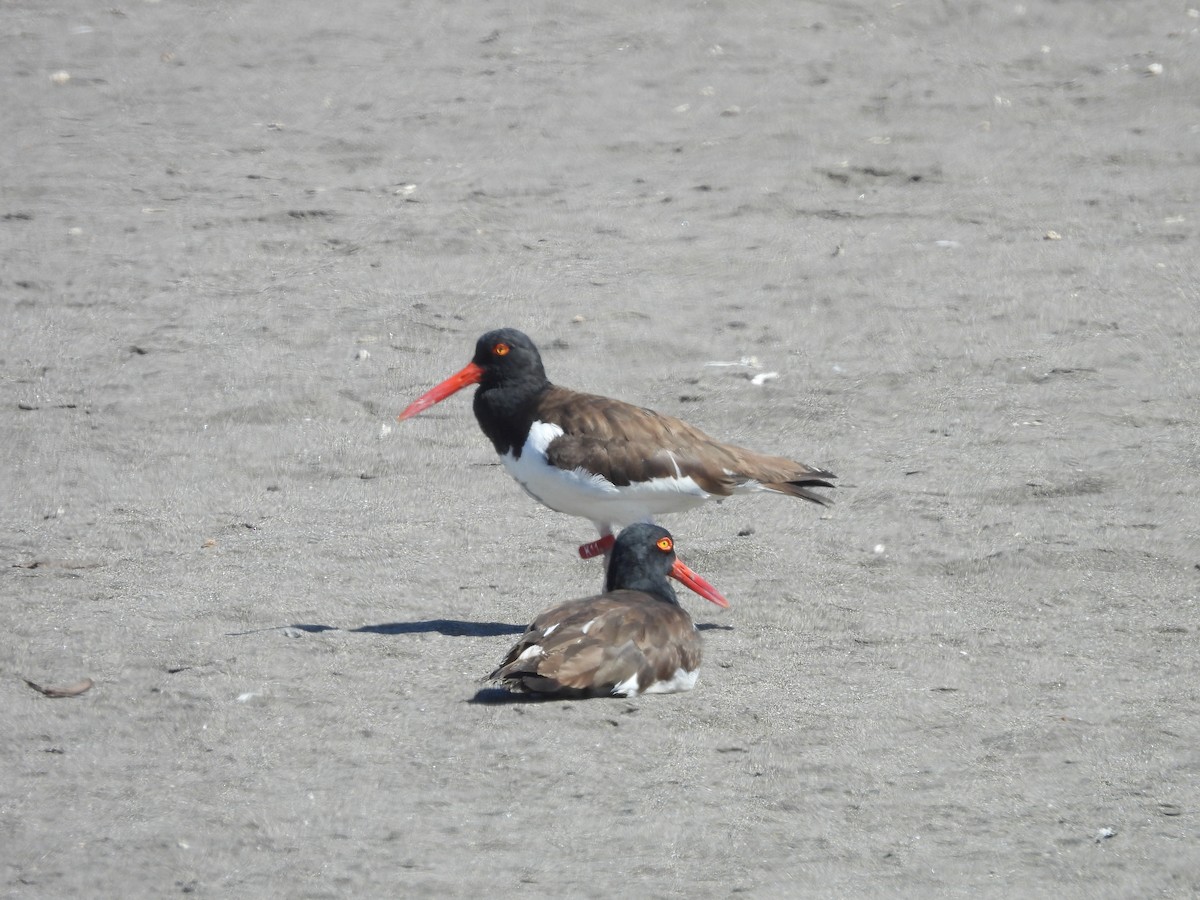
pixel 665 544
pixel 501 349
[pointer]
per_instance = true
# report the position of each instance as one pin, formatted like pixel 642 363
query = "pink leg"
pixel 602 545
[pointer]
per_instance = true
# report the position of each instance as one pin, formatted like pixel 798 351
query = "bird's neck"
pixel 659 588
pixel 506 410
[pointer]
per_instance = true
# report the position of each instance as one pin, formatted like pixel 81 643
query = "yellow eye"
pixel 666 545
pixel 501 349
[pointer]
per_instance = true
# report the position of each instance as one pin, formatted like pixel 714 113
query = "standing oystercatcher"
pixel 634 638
pixel 604 460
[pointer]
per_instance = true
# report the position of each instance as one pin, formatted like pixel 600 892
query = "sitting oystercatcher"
pixel 634 638
pixel 602 459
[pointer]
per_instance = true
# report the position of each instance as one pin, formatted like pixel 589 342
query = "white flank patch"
pixel 682 680
pixel 592 496
pixel 627 688
pixel 549 631
pixel 586 628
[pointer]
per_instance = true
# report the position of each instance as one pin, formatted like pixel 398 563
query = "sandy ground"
pixel 236 238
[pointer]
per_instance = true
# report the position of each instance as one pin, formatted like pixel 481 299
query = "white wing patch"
pixel 533 651
pixel 675 464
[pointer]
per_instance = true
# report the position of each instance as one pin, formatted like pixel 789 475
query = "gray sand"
pixel 237 238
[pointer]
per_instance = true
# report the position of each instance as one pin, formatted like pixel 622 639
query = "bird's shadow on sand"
pixel 448 627
pixel 496 696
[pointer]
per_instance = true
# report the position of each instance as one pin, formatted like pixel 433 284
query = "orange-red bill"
pixel 699 585
pixel 470 374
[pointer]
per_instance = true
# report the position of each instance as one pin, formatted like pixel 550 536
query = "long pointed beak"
pixel 682 573
pixel 470 374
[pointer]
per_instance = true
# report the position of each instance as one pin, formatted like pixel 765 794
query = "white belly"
pixel 592 496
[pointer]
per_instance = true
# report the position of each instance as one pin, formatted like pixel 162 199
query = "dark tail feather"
pixel 800 488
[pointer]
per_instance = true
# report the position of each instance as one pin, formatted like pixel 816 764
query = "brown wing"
pixel 633 444
pixel 627 633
